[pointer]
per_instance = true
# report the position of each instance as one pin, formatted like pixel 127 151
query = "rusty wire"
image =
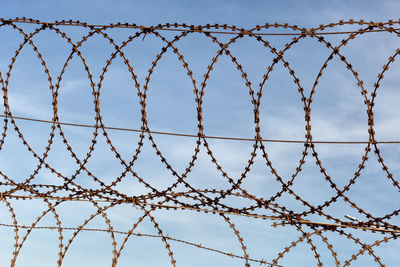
pixel 207 201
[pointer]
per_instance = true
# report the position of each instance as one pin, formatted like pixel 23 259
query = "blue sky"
pixel 307 13
pixel 338 113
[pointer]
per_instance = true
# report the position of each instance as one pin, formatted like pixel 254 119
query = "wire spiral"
pixel 211 201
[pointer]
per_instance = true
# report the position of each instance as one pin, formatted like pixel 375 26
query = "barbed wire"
pixel 206 201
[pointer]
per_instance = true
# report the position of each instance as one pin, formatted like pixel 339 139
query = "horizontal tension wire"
pixel 202 136
pixel 192 29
